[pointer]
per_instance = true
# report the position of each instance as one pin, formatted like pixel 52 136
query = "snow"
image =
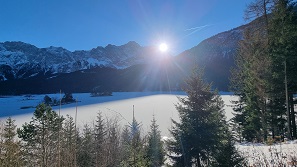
pixel 57 58
pixel 94 62
pixel 280 154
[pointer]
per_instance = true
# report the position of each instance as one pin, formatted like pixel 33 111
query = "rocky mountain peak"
pixel 27 60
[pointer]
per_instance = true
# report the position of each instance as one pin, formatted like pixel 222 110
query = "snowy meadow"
pixel 120 105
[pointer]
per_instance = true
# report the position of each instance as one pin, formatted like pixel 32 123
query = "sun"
pixel 163 47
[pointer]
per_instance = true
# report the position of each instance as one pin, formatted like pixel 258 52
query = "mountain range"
pixel 25 68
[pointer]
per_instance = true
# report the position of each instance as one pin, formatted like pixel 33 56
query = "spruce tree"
pixel 10 152
pixel 227 155
pixel 100 133
pixel 69 143
pixel 249 82
pixel 133 146
pixel 283 34
pixel 86 150
pixel 125 146
pixel 155 152
pixel 199 132
pixel 113 143
pixel 264 78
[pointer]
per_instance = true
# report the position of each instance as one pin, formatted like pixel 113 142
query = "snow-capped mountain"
pixel 22 60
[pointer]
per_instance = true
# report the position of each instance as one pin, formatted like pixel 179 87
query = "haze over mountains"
pixel 24 68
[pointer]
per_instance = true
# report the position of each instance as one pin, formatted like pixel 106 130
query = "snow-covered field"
pixel 120 105
pixel 260 155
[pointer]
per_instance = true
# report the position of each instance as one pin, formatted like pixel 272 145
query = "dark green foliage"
pixel 133 152
pixel 155 152
pixel 265 64
pixel 47 99
pixel 227 155
pixel 113 143
pixel 100 145
pixel 249 82
pixel 199 132
pixel 86 156
pixel 100 133
pixel 67 98
pixel 283 52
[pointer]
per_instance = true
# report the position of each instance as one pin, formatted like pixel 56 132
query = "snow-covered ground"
pixel 120 105
pixel 281 154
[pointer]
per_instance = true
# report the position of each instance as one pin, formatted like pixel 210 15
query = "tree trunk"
pixel 264 123
pixel 289 132
pixel 199 162
pixel 273 125
pixel 293 116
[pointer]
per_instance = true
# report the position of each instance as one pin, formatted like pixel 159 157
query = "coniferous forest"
pixel 265 73
pixel 264 79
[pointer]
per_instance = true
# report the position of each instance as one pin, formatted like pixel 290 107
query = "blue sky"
pixel 85 24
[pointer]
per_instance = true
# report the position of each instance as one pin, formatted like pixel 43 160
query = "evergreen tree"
pixel 133 146
pixel 265 61
pixel 40 137
pixel 86 155
pixel 155 151
pixel 249 82
pixel 227 155
pixel 197 135
pixel 125 146
pixel 113 143
pixel 10 152
pixel 69 143
pixel 283 34
pixel 100 133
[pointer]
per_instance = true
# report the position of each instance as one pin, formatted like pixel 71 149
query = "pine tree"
pixel 133 146
pixel 283 34
pixel 155 152
pixel 86 155
pixel 227 155
pixel 100 133
pixel 40 137
pixel 199 131
pixel 265 61
pixel 10 154
pixel 113 143
pixel 249 82
pixel 69 143
pixel 125 146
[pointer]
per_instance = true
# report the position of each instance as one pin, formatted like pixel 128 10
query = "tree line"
pixel 265 77
pixel 52 140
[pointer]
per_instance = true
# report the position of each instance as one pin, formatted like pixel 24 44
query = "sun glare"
pixel 163 47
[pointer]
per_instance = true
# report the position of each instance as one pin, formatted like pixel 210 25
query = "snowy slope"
pixel 22 60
